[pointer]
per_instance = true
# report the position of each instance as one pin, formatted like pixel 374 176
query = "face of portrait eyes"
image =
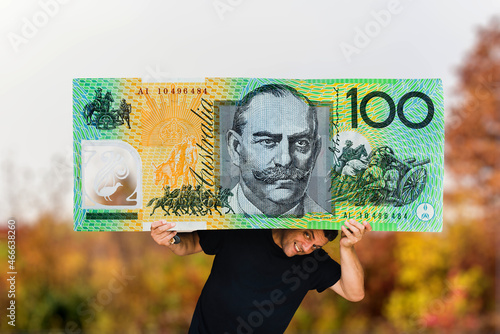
pixel 277 149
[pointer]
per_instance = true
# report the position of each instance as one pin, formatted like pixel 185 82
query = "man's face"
pixel 278 148
pixel 300 242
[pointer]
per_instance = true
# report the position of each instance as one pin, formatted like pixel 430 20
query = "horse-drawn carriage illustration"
pixel 378 178
pixel 98 112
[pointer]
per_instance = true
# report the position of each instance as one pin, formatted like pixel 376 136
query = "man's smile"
pixel 297 249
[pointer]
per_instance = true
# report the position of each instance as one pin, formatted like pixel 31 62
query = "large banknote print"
pixel 241 153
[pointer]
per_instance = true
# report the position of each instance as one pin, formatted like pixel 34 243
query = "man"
pixel 347 155
pixel 391 178
pixel 372 183
pixel 274 142
pixel 349 175
pixel 259 277
pixel 191 153
pixel 125 111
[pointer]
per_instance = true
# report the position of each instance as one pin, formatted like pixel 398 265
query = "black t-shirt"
pixel 254 287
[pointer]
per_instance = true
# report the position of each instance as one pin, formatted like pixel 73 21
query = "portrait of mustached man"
pixel 274 142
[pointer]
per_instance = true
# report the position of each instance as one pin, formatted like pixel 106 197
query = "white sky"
pixel 188 38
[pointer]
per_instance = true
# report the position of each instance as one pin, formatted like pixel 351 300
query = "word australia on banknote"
pixel 241 153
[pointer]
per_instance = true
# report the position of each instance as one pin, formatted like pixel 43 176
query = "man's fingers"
pixel 356 233
pixel 363 227
pixel 349 236
pixel 161 225
pixel 353 231
pixel 166 238
pixel 347 233
pixel 162 233
pixel 360 226
pixel 355 228
pixel 157 223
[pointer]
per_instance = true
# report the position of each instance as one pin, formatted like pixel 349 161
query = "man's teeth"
pixel 297 248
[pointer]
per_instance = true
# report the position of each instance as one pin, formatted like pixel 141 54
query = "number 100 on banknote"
pixel 244 153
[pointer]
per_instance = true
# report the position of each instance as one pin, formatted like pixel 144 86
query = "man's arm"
pixel 351 283
pixel 161 233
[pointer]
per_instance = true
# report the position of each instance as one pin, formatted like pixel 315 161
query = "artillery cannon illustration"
pixel 383 180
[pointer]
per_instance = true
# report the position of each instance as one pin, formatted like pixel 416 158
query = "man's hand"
pixel 353 232
pixel 161 233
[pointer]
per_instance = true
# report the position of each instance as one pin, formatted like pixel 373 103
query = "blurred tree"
pixel 473 130
pixel 473 156
pixel 445 282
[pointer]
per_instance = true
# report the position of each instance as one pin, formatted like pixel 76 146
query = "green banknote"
pixel 238 153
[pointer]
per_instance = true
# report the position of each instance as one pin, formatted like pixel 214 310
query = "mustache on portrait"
pixel 273 174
